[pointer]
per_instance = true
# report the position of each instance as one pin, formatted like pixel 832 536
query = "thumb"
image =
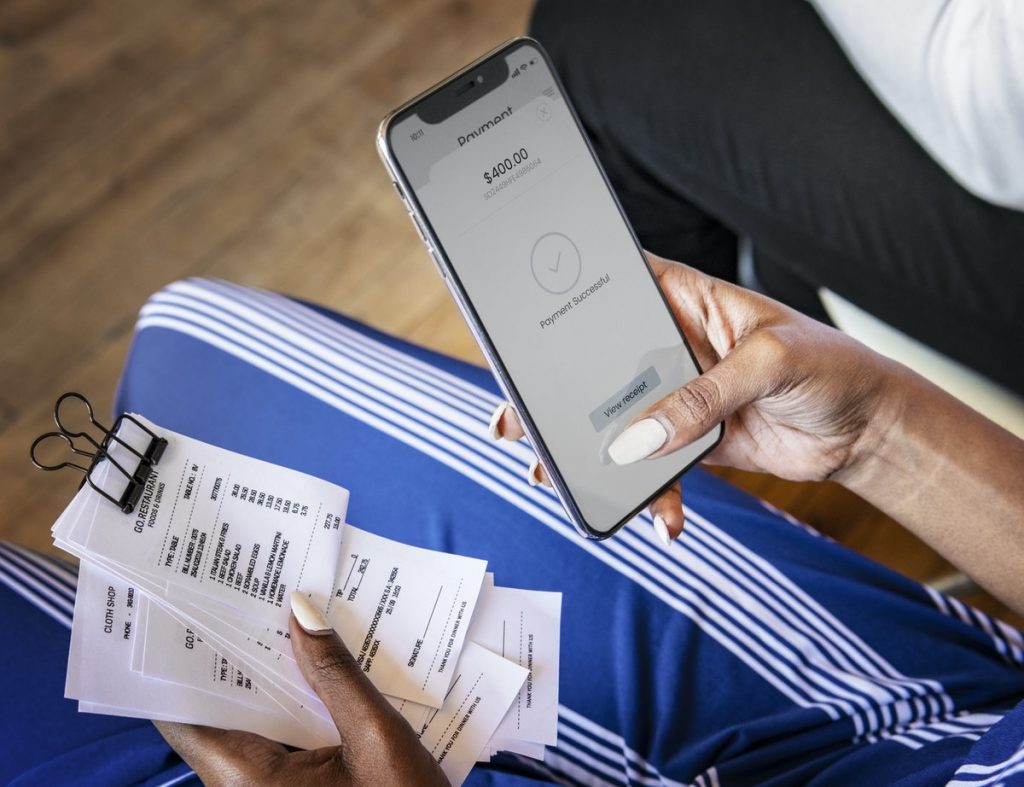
pixel 331 671
pixel 741 377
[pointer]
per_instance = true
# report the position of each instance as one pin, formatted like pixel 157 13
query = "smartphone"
pixel 521 221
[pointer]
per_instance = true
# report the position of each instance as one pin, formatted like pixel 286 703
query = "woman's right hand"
pixel 799 399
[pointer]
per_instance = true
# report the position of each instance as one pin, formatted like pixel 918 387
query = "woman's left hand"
pixel 377 745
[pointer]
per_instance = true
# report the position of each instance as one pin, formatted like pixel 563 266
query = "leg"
pixel 755 647
pixel 751 112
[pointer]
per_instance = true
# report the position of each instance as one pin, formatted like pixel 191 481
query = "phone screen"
pixel 545 261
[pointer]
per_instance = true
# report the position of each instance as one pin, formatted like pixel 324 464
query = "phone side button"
pixel 419 228
pixel 437 261
pixel 401 195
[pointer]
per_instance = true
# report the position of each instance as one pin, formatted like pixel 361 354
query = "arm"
pixel 950 476
pixel 952 73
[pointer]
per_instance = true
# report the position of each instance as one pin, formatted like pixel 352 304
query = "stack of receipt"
pixel 183 606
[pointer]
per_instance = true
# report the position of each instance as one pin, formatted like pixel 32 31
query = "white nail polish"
pixel 639 441
pixel 492 427
pixel 533 474
pixel 662 531
pixel 310 618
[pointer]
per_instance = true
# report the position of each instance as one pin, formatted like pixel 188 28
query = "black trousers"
pixel 718 118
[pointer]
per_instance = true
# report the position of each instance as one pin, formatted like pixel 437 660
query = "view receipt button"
pixel 625 398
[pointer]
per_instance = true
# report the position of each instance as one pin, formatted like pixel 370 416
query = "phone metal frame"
pixel 447 271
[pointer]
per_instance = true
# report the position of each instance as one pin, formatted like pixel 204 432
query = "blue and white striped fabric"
pixel 753 652
pixel 998 758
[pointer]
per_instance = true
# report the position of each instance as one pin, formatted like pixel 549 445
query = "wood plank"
pixel 23 20
pixel 35 67
pixel 86 139
pixel 187 211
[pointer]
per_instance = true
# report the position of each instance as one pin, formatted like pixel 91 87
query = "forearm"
pixel 952 477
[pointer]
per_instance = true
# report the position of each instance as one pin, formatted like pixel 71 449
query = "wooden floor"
pixel 141 142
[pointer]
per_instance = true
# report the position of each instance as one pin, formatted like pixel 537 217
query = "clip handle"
pixel 136 479
pixel 66 439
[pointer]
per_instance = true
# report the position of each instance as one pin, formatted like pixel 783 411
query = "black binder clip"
pixel 101 451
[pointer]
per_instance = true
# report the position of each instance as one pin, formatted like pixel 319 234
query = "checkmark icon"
pixel 555 262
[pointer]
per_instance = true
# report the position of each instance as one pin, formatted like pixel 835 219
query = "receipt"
pixel 100 676
pixel 302 707
pixel 169 650
pixel 523 626
pixel 526 748
pixel 414 713
pixel 217 526
pixel 483 688
pixel 395 629
pixel 404 612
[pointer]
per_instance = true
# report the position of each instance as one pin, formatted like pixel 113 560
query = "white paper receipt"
pixel 227 528
pixel 404 612
pixel 483 687
pixel 523 626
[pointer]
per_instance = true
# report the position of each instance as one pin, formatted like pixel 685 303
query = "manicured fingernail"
pixel 310 618
pixel 639 441
pixel 494 427
pixel 533 475
pixel 661 529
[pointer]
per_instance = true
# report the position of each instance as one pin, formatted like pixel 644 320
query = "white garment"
pixel 952 72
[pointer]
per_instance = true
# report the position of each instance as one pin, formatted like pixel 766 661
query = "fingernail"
pixel 310 618
pixel 495 424
pixel 533 474
pixel 661 529
pixel 639 441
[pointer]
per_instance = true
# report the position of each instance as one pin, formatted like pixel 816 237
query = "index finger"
pixel 223 756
